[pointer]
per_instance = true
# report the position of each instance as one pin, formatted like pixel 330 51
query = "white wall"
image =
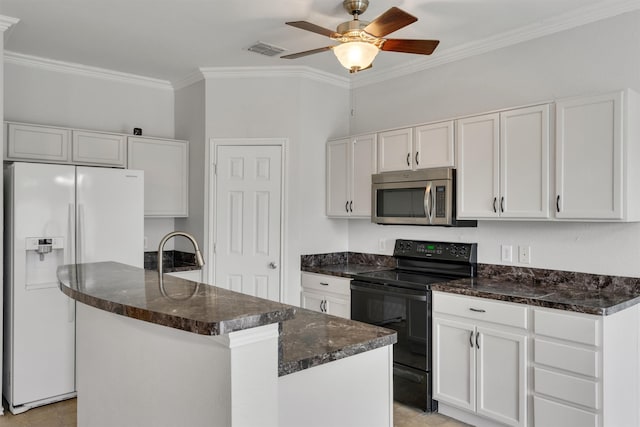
pixel 40 95
pixel 306 112
pixel 594 58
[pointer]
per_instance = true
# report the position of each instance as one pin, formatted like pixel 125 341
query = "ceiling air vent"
pixel 266 49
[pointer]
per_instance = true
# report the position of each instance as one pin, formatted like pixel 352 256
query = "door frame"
pixel 210 232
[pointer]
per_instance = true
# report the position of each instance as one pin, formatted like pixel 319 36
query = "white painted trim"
pixel 210 199
pixel 248 336
pixel 83 70
pixel 7 22
pixel 282 71
pixel 567 21
pixel 188 80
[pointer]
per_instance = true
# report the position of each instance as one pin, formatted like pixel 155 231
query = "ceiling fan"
pixel 360 41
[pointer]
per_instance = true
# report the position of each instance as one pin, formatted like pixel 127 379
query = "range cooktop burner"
pixel 403 278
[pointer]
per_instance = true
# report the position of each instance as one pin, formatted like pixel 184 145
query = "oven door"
pixel 406 311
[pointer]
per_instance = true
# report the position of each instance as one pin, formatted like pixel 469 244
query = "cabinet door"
pixel 501 371
pixel 98 148
pixel 478 151
pixel 434 146
pixel 338 178
pixel 37 143
pixel 454 363
pixel 363 162
pixel 589 157
pixel 524 162
pixel 338 306
pixel 165 166
pixel 312 301
pixel 394 150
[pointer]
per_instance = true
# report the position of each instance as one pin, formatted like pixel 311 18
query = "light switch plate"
pixel 506 253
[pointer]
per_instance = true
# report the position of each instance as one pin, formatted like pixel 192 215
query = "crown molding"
pixel 587 15
pixel 83 70
pixel 7 22
pixel 188 80
pixel 285 71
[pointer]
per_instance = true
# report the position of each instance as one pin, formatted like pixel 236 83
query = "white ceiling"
pixel 171 39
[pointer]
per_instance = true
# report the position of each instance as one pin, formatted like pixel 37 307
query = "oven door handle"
pixel 366 289
pixel 388 321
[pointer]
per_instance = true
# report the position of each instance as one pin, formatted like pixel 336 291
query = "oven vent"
pixel 265 49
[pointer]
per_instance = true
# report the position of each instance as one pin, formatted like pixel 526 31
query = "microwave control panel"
pixel 445 251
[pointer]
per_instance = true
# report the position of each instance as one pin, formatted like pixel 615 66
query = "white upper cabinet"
pixel 98 148
pixel 503 164
pixel 350 163
pixel 395 149
pixel 422 147
pixel 165 163
pixel 37 143
pixel 434 146
pixel 597 153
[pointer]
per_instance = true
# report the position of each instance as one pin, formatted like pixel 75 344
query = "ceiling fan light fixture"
pixel 356 55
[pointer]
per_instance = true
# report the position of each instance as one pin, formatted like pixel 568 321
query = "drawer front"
pixel 481 309
pixel 38 143
pixel 324 283
pixel 573 359
pixel 566 387
pixel 553 414
pixel 572 327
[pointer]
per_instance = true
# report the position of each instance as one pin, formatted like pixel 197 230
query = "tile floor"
pixel 63 414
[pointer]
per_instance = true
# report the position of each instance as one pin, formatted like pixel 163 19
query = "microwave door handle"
pixel 432 213
pixel 427 202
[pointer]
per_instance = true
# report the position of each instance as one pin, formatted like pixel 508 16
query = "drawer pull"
pixel 324 284
pixel 478 310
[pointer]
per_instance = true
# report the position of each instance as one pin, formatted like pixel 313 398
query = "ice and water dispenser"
pixel 43 256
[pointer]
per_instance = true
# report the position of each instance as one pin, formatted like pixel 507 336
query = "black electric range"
pixel 400 299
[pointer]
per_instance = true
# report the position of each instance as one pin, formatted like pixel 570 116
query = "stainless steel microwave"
pixel 422 197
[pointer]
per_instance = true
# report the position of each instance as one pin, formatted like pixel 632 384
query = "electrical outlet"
pixel 382 244
pixel 524 254
pixel 506 253
pixel 146 242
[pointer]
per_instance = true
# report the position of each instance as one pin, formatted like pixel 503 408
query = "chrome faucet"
pixel 199 258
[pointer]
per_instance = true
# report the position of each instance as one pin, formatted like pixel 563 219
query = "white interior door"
pixel 248 219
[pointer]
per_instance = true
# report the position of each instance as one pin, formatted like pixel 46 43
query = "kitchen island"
pixel 192 354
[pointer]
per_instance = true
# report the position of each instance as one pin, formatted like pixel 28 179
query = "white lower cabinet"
pixel 480 357
pixel 326 294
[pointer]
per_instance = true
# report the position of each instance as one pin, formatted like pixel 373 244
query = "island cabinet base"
pixel 356 391
pixel 135 373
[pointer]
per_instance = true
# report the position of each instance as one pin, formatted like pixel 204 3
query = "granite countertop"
pixel 344 270
pixel 307 338
pixel 182 304
pixel 563 290
pixel 345 264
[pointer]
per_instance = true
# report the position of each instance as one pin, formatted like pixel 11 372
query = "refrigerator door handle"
pixel 80 235
pixel 70 244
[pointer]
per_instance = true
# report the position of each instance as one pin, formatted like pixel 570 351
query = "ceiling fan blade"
pixel 421 47
pixel 390 21
pixel 306 52
pixel 304 25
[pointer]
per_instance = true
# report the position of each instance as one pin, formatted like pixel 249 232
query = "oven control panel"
pixel 436 250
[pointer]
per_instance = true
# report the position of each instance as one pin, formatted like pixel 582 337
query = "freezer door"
pixel 40 319
pixel 110 215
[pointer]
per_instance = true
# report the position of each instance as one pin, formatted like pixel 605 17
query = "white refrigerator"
pixel 55 215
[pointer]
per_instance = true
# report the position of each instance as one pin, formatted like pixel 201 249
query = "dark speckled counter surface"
pixel 563 290
pixel 307 338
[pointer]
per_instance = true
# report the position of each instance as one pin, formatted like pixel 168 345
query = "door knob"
pixel 273 265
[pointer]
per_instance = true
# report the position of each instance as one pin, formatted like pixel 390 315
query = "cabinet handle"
pixel 495 199
pixel 408 159
pixel 351 206
pixel 325 305
pixel 478 310
pixel 502 204
pixel 417 162
pixel 346 206
pixel 477 336
pixel 558 203
pixel 324 284
pixel 471 339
